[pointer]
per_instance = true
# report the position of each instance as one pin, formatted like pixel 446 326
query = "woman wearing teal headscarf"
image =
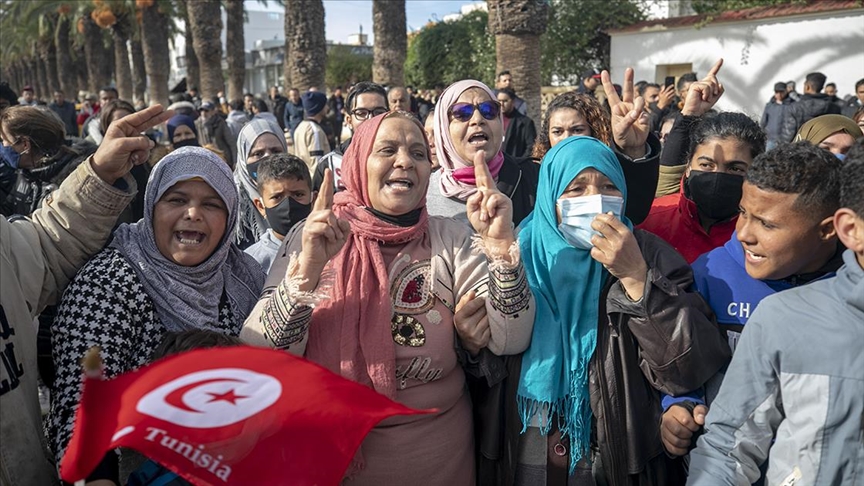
pixel 616 324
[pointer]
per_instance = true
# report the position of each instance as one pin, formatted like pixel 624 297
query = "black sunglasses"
pixel 464 111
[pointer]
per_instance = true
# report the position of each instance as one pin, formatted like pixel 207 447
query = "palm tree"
pixel 193 69
pixel 63 42
pixel 518 25
pixel 139 72
pixel 235 52
pixel 305 45
pixel 391 42
pixel 98 67
pixel 205 19
pixel 154 29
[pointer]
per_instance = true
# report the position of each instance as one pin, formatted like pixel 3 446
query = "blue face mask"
pixel 840 156
pixel 577 213
pixel 9 155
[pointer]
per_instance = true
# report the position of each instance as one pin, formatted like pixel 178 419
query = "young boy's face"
pixel 780 240
pixel 274 191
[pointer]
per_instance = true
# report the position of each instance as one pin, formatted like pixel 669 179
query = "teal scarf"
pixel 566 283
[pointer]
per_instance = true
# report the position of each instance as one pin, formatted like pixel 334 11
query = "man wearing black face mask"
pixel 286 199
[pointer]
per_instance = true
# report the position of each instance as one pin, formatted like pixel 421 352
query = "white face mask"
pixel 577 213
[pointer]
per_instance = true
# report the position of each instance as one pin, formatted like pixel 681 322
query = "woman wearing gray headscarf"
pixel 258 139
pixel 176 269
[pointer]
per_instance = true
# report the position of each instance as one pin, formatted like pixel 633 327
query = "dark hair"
pixel 179 342
pixel 503 73
pixel 108 112
pixel 685 78
pixel 832 85
pixel 646 86
pixel 364 87
pixel 283 166
pixel 590 109
pixel 852 179
pixel 260 105
pixel 803 169
pixel 816 81
pixel 640 86
pixel 249 95
pixel 509 92
pixel 727 125
pixel 8 94
pixel 236 105
pixel 859 83
pixel 110 88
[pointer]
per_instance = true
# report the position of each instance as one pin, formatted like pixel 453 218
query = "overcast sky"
pixel 344 17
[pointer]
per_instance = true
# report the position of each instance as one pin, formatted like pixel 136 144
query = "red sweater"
pixel 675 219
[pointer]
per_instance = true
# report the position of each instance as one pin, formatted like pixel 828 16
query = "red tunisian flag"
pixel 236 415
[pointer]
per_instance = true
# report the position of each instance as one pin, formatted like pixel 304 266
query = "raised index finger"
pixel 324 200
pixel 609 88
pixel 715 68
pixel 142 120
pixel 627 89
pixel 482 177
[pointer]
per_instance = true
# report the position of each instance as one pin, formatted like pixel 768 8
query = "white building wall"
pixel 756 54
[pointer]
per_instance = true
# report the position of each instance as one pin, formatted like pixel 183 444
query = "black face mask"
pixel 252 170
pixel 716 194
pixel 189 142
pixel 283 216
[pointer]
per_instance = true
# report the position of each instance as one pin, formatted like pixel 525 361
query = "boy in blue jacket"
pixel 784 238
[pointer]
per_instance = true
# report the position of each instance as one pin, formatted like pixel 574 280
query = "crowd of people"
pixel 637 290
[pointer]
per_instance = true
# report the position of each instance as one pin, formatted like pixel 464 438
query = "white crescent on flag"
pixel 211 398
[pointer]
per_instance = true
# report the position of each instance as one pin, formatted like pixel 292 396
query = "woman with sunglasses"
pixel 468 121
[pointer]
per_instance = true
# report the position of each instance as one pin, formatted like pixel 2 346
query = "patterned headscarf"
pixel 457 175
pixel 249 215
pixel 188 298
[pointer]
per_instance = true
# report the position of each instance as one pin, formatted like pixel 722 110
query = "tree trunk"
pixel 65 67
pixel 122 68
pixel 307 50
pixel 235 51
pixel 94 50
pixel 205 18
pixel 43 92
pixel 391 42
pixel 139 73
pixel 193 70
pixel 154 27
pixel 518 25
pixel 80 63
pixel 286 62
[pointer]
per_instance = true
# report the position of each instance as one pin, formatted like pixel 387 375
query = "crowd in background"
pixel 575 296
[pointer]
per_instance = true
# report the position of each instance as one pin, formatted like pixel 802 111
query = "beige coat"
pixel 38 257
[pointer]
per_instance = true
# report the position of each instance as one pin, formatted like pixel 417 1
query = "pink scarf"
pixel 351 331
pixel 457 174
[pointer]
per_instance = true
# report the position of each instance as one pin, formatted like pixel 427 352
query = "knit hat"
pixel 313 102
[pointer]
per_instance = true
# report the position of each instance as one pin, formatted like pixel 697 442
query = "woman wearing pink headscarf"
pixel 468 121
pixel 370 287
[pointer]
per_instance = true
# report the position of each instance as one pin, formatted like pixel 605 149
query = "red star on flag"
pixel 228 396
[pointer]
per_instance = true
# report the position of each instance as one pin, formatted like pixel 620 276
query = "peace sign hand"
pixel 323 235
pixel 124 146
pixel 630 122
pixel 703 94
pixel 489 211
